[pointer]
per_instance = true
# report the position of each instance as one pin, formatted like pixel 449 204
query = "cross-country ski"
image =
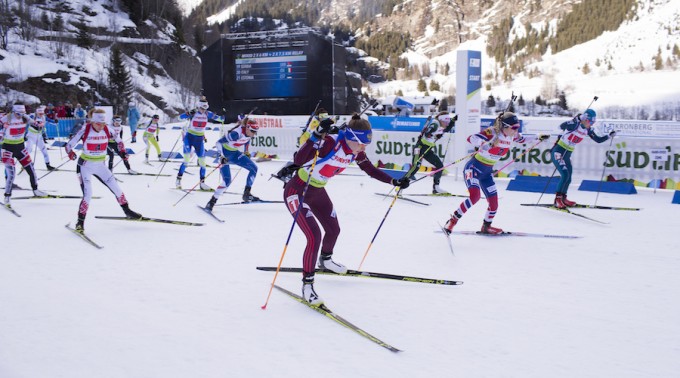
pixel 513 233
pixel 81 234
pixel 582 206
pixel 150 220
pixel 358 273
pixel 322 309
pixel 209 212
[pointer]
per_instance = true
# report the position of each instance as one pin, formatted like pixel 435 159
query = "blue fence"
pixel 63 129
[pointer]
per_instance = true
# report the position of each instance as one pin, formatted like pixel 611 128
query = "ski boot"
pixel 39 193
pixel 488 229
pixel 566 201
pixel 211 203
pixel 205 186
pixel 49 167
pixel 178 182
pixel 129 213
pixel 436 189
pixel 559 201
pixel 448 228
pixel 308 293
pixel 248 197
pixel 327 263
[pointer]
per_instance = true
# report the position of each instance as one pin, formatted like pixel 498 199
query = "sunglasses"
pixel 511 122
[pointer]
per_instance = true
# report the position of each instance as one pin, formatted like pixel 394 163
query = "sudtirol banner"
pixel 634 153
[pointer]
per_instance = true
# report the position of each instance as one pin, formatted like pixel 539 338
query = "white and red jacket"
pixel 14 128
pixel 94 143
pixel 489 153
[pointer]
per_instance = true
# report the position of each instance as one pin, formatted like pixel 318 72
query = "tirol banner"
pixel 635 154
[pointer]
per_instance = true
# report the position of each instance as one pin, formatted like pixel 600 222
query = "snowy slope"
pixel 636 41
pixel 172 301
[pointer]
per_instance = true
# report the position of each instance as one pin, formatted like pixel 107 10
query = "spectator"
pixel 61 111
pixel 68 109
pixel 79 112
pixel 133 119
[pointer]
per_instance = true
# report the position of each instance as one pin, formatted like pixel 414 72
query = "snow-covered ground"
pixel 174 301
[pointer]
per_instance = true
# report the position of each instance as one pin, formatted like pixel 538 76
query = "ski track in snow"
pixel 172 301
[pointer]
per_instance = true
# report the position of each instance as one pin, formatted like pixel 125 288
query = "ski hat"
pixel 19 108
pixel 131 104
pixel 40 109
pixel 359 130
pixel 252 125
pixel 509 119
pixel 117 119
pixel 98 117
pixel 590 115
pixel 155 116
pixel 444 118
pixel 322 113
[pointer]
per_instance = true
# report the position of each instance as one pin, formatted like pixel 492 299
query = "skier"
pixel 35 135
pixel 335 153
pixel 426 149
pixel 194 137
pixel 492 143
pixel 95 136
pixel 151 139
pixel 133 119
pixel 12 133
pixel 228 146
pixel 116 128
pixel 574 133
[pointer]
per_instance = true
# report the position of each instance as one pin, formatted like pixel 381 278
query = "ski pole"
pixel 58 138
pixel 396 195
pixel 56 168
pixel 517 158
pixel 410 171
pixel 197 184
pixel 546 185
pixel 444 167
pixel 604 166
pixel 292 227
pixel 170 155
pixel 420 158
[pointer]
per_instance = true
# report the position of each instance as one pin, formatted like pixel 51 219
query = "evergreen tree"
pixel 563 101
pixel 658 61
pixel 520 101
pixel 83 36
pixel 120 82
pixel 490 102
pixel 422 86
pixel 58 23
pixel 434 86
pixel 585 69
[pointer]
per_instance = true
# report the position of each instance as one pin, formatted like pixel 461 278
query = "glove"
pixel 72 155
pixel 157 138
pixel 612 133
pixel 324 127
pixel 224 160
pixel 247 153
pixel 403 182
pixel 287 172
pixel 543 137
pixel 205 139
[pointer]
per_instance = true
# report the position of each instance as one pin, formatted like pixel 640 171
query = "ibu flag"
pixel 400 103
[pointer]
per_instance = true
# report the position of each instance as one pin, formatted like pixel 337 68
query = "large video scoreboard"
pixel 266 74
pixel 279 72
